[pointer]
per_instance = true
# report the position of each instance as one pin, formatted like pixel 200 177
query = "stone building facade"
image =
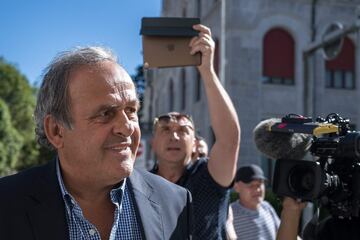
pixel 262 66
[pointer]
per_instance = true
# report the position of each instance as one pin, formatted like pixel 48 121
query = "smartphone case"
pixel 166 42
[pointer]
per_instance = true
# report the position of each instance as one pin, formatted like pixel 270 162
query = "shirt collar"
pixel 116 193
pixel 65 194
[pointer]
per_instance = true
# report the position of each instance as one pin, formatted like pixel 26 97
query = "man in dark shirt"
pixel 173 143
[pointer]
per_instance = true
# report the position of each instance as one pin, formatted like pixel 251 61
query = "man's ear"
pixel 236 187
pixel 54 131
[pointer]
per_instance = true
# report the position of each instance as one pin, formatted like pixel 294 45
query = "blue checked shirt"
pixel 125 224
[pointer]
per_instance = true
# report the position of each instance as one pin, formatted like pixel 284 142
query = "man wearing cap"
pixel 208 179
pixel 253 217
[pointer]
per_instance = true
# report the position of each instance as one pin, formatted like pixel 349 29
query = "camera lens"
pixel 349 146
pixel 301 180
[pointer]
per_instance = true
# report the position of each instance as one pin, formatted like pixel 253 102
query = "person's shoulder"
pixel 199 165
pixel 200 162
pixel 166 194
pixel 270 209
pixel 160 183
pixel 266 204
pixel 21 182
pixel 198 173
pixel 19 190
pixel 234 203
pixel 22 176
pixel 173 201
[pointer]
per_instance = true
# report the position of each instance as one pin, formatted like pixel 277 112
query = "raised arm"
pixel 290 217
pixel 224 153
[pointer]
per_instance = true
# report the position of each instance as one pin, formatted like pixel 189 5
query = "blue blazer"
pixel 32 208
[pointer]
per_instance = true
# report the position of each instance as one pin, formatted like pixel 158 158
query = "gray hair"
pixel 53 97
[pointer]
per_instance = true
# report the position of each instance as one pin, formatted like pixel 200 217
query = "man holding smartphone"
pixel 208 179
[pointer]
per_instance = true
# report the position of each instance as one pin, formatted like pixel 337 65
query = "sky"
pixel 33 32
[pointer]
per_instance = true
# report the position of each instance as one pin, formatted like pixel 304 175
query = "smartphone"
pixel 166 42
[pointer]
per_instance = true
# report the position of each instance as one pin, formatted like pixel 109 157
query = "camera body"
pixel 332 178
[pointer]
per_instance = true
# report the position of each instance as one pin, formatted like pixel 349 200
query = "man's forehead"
pixel 119 80
pixel 122 77
pixel 123 87
pixel 105 81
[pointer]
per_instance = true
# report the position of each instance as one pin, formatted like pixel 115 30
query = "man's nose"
pixel 123 126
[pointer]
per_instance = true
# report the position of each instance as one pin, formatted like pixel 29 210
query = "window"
pixel 278 57
pixel 340 71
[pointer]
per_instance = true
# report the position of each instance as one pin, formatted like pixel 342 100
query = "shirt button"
pixel 92 232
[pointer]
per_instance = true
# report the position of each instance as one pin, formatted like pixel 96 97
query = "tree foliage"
pixel 139 81
pixel 11 141
pixel 18 101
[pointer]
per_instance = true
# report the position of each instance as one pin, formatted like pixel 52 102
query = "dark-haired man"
pixel 208 179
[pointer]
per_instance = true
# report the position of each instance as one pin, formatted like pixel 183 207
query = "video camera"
pixel 332 178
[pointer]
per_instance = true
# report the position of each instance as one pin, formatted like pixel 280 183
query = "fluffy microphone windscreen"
pixel 277 145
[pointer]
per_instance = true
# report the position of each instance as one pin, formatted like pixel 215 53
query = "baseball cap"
pixel 248 173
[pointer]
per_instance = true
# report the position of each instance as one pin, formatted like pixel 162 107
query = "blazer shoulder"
pixel 25 181
pixel 159 188
pixel 172 202
pixel 160 182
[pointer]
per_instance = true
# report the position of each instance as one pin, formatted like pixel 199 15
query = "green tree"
pixel 11 141
pixel 139 81
pixel 19 96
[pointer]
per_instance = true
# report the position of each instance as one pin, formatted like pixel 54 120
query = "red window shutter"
pixel 278 50
pixel 345 61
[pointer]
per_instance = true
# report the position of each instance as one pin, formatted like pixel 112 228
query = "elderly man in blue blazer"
pixel 87 111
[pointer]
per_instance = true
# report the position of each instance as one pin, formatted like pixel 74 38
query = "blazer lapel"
pixel 147 207
pixel 46 209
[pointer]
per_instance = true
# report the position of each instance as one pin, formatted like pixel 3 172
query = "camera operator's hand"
pixel 290 217
pixel 205 44
pixel 292 205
